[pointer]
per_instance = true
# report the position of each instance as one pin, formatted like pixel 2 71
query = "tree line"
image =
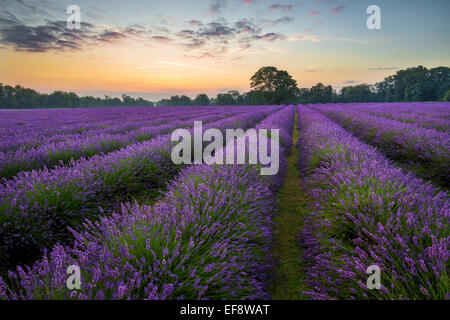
pixel 272 86
pixel 19 97
pixel 268 86
pixel 412 84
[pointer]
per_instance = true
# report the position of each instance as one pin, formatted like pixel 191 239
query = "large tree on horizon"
pixel 274 86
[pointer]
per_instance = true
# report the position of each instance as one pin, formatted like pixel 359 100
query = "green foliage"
pixel 274 86
pixel 269 86
pixel 319 94
pixel 447 96
pixel 201 100
pixel 414 84
pixel 175 101
pixel 360 93
pixel 23 98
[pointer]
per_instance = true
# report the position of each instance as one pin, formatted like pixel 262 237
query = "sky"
pixel 158 48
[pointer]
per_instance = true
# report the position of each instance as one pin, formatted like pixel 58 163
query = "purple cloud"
pixel 272 37
pixel 337 10
pixel 161 39
pixel 216 6
pixel 281 7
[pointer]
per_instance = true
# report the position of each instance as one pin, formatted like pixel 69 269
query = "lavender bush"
pixel 368 212
pixel 209 238
pixel 425 151
pixel 61 149
pixel 37 207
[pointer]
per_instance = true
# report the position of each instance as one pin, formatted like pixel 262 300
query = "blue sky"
pixel 158 48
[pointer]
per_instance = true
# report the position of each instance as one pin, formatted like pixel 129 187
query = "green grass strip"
pixel 292 204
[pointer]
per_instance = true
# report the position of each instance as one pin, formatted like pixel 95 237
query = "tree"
pixel 224 99
pixel 414 84
pixel 321 93
pixel 164 103
pixel 274 86
pixel 440 77
pixel 184 101
pixel 359 93
pixel 201 100
pixel 57 100
pixel 447 96
pixel 176 101
pixel 127 100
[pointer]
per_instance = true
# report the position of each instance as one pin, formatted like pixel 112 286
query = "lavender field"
pixel 97 188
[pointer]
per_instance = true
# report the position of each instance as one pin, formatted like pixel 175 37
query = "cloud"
pixel 187 34
pixel 337 10
pixel 136 31
pixel 111 36
pixel 216 29
pixel 314 13
pixel 161 39
pixel 195 43
pixel 297 37
pixel 214 37
pixel 349 40
pixel 52 36
pixel 283 20
pixel 216 6
pixel 276 22
pixel 246 26
pixel 195 22
pixel 281 7
pixel 219 37
pixel 196 39
pixel 271 37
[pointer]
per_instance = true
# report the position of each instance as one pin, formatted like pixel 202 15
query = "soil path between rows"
pixel 292 204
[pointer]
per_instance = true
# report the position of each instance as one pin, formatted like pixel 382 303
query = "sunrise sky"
pixel 158 48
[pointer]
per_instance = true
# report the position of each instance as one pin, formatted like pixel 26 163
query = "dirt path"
pixel 292 205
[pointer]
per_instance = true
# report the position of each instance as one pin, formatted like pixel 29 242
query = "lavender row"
pixel 209 238
pixel 11 121
pixel 432 116
pixel 206 240
pixel 282 120
pixel 37 207
pixel 45 122
pixel 424 151
pixel 42 134
pixel 61 152
pixel 423 121
pixel 367 212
